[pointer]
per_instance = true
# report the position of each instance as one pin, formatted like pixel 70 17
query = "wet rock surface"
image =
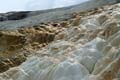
pixel 86 47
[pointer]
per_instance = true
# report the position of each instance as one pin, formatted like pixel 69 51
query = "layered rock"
pixel 84 48
pixel 23 42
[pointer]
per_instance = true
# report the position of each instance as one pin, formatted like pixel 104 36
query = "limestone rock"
pixel 85 47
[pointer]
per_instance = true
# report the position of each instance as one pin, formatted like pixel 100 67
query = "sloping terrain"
pixel 13 20
pixel 71 45
pixel 84 47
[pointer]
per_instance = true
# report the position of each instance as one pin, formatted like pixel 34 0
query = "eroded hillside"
pixel 85 47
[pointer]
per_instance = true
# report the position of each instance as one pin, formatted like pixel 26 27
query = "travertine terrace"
pixel 85 47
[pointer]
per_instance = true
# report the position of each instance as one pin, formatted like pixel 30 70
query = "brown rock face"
pixel 16 43
pixel 110 72
pixel 7 63
pixel 10 42
pixel 86 47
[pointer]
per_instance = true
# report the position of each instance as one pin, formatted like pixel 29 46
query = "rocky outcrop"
pixel 22 42
pixel 13 16
pixel 85 47
pixel 14 20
